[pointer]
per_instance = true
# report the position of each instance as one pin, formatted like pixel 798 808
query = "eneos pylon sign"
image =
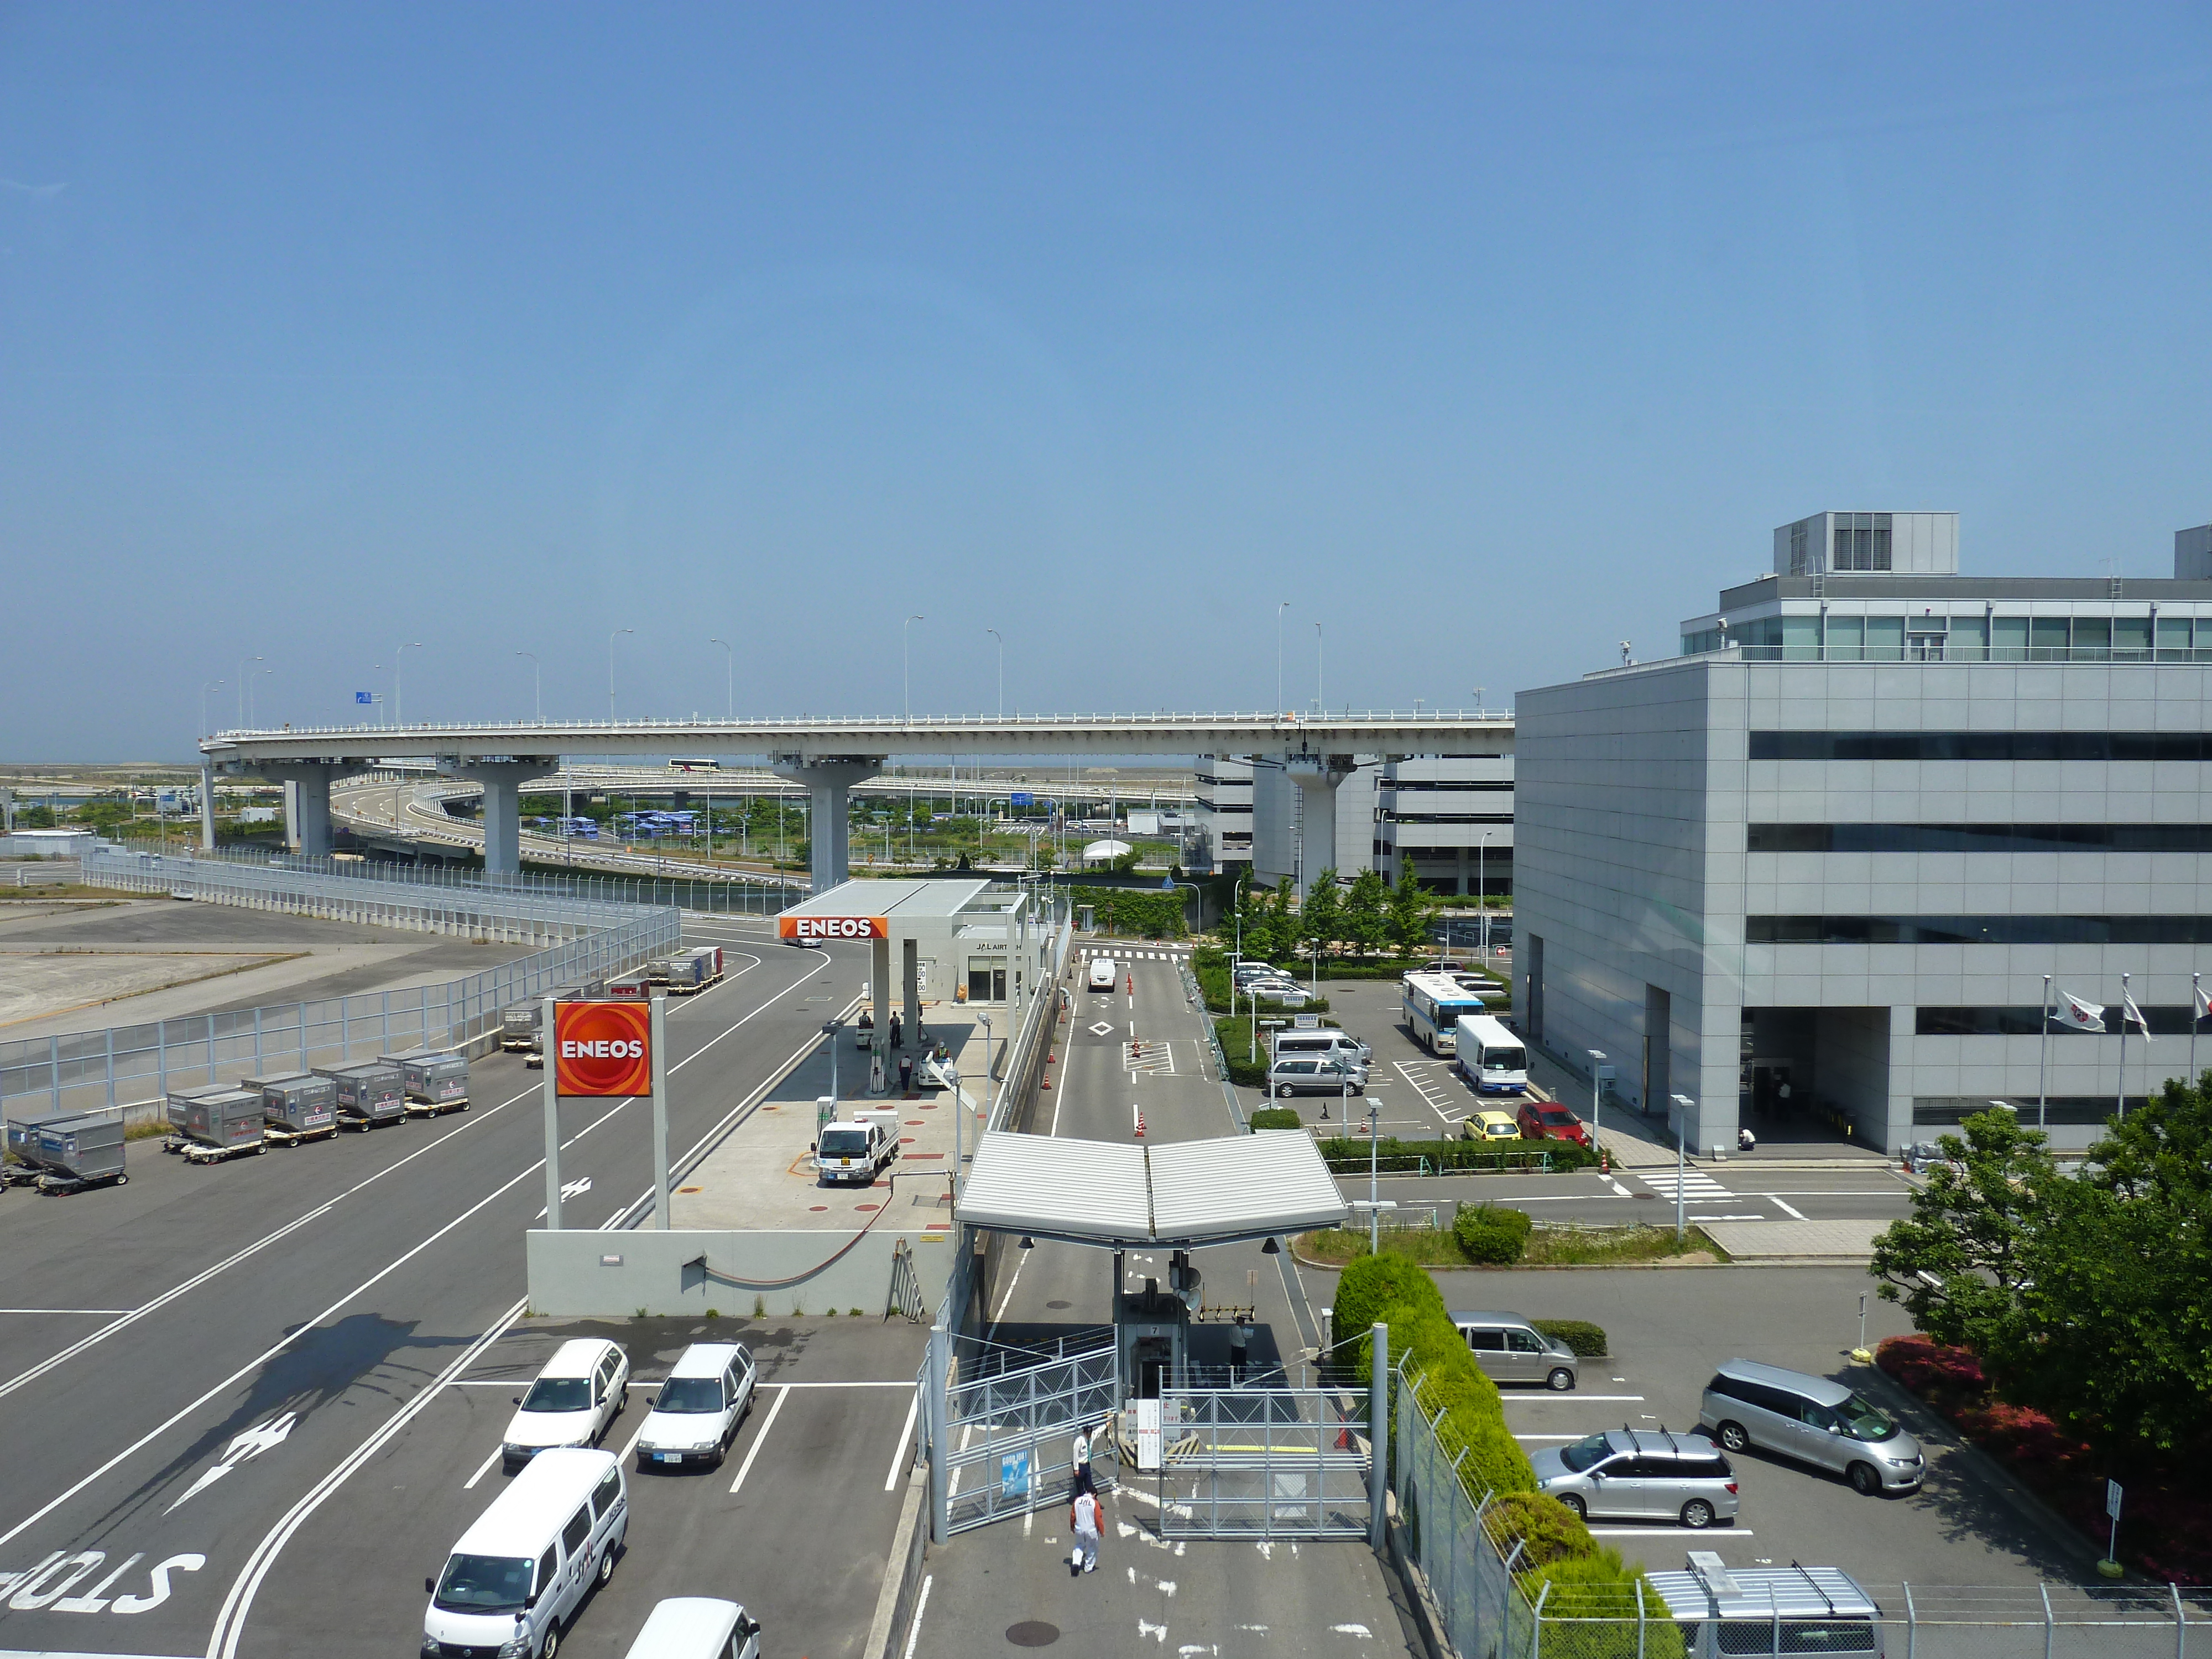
pixel 603 1049
pixel 833 928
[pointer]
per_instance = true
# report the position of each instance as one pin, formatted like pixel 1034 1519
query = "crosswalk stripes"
pixel 1697 1185
pixel 1089 951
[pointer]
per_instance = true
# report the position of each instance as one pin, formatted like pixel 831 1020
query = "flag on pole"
pixel 2079 1015
pixel 2203 1001
pixel 2132 1015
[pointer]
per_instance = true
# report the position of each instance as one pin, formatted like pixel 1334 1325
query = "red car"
pixel 1546 1120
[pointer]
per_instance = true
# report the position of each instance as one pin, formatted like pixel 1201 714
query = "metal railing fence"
pixel 131 1065
pixel 1468 1567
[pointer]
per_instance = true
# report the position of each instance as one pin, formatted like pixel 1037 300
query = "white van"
pixel 520 1572
pixel 698 1627
pixel 1324 1045
pixel 1102 973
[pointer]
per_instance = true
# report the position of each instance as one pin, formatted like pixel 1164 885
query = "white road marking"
pixel 899 1460
pixel 1567 1397
pixel 1731 1218
pixel 1548 1436
pixel 89 1311
pixel 1668 1532
pixel 1620 1191
pixel 921 1607
pixel 1786 1209
pixel 483 1468
pixel 760 1439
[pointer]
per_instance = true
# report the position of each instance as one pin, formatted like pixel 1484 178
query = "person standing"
pixel 1083 1519
pixel 1079 1456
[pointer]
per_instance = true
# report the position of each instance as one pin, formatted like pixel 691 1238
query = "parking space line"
pixel 483 1468
pixel 921 1607
pixel 898 1452
pixel 1548 1436
pixel 1668 1532
pixel 1754 1217
pixel 760 1439
pixel 1569 1397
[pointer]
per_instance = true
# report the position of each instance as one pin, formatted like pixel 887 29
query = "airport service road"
pixel 205 1345
pixel 1284 1600
pixel 1728 1192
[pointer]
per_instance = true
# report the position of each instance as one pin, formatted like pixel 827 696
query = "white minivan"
pixel 698 1627
pixel 699 1406
pixel 519 1573
pixel 580 1391
pixel 1102 973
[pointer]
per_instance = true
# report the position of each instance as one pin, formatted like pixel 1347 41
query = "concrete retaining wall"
pixel 577 1275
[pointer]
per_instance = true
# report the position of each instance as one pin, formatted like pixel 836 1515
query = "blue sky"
pixel 1488 336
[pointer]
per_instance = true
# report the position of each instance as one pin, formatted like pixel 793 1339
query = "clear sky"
pixel 1487 336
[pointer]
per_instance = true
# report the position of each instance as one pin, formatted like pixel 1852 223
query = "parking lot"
pixel 1666 1329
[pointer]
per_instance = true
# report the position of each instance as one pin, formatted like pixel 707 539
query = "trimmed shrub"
pixel 1546 1529
pixel 1491 1235
pixel 1372 1285
pixel 1276 1117
pixel 1350 1153
pixel 1588 1340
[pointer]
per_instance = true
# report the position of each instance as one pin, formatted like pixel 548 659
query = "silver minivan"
pixel 1323 1045
pixel 1813 1419
pixel 1511 1350
pixel 1640 1474
pixel 1306 1076
pixel 1785 1612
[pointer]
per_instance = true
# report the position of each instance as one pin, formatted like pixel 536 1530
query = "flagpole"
pixel 2043 1064
pixel 2195 1011
pixel 2120 1105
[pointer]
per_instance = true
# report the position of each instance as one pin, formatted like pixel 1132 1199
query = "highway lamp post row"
pixel 906 674
pixel 242 677
pixel 611 638
pixel 729 684
pixel 398 708
pixel 536 687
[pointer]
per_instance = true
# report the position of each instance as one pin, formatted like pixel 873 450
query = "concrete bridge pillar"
pixel 828 778
pixel 307 803
pixel 502 812
pixel 207 804
pixel 1318 778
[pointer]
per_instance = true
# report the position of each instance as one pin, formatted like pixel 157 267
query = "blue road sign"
pixel 364 697
pixel 1021 797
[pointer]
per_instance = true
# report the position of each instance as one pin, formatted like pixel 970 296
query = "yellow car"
pixel 1490 1126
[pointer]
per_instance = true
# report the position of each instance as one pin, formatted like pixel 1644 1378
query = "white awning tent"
pixel 1176 1194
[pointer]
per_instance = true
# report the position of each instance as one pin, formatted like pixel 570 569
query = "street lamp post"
pixel 242 677
pixel 398 709
pixel 995 635
pixel 1374 1177
pixel 611 638
pixel 251 713
pixel 1318 704
pixel 1280 609
pixel 1597 1087
pixel 990 1077
pixel 729 680
pixel 207 686
pixel 1683 1106
pixel 536 687
pixel 906 666
pixel 1482 896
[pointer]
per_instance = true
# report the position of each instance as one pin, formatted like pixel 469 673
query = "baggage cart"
pixel 434 1083
pixel 689 972
pixel 518 1026
pixel 368 1095
pixel 295 1108
pixel 23 1143
pixel 80 1151
pixel 633 986
pixel 209 1125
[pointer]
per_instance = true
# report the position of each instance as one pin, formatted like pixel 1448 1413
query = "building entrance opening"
pixel 1815 1076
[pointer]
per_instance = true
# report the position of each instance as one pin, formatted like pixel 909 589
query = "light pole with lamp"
pixel 1597 1085
pixel 729 679
pixel 250 712
pixel 995 635
pixel 1683 1106
pixel 1482 893
pixel 242 674
pixel 207 686
pixel 536 687
pixel 1280 609
pixel 398 708
pixel 611 638
pixel 906 666
pixel 1318 704
pixel 990 1077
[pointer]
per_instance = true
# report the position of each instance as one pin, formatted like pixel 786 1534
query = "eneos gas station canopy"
pixel 1180 1193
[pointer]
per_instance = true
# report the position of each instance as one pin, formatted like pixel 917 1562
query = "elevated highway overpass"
pixel 829 756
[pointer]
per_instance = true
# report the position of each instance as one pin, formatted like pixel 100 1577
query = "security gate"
pixel 1010 1427
pixel 1260 1463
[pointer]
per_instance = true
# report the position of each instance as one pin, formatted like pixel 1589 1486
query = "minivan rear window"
pixel 1745 1635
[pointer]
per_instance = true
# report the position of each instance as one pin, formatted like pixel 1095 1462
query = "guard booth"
pixel 1246 1460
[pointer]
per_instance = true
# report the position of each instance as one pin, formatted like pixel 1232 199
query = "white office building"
pixel 1815 873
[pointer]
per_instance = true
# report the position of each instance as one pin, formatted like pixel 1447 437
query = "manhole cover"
pixel 1033 1633
pixel 1060 1304
pixel 1645 1195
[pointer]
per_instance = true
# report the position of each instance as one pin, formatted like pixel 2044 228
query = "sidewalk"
pixel 1796 1243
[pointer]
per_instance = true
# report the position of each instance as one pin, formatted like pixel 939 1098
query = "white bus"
pixel 1491 1057
pixel 696 763
pixel 1434 1004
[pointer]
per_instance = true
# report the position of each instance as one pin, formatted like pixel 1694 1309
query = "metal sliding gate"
pixel 1010 1432
pixel 1260 1463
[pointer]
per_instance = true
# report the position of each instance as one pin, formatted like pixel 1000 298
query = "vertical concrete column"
pixel 880 996
pixel 1378 1431
pixel 1318 778
pixel 503 809
pixel 910 972
pixel 937 1379
pixel 207 805
pixel 306 805
pixel 828 779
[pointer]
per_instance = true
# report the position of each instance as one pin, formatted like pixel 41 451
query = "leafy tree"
pixel 1411 907
pixel 1366 912
pixel 1322 913
pixel 1282 926
pixel 1954 1262
pixel 1123 863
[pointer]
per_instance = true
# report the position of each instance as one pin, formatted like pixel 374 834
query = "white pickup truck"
pixel 856 1153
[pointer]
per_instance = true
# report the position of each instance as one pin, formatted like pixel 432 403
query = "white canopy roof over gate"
pixel 1179 1194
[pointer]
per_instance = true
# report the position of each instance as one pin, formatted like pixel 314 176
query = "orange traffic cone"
pixel 1133 985
pixel 1140 1126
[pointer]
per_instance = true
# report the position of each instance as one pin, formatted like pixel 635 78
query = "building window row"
pixel 1386 816
pixel 1981 745
pixel 1946 1111
pixel 1811 637
pixel 2164 1021
pixel 1450 785
pixel 1978 930
pixel 1979 838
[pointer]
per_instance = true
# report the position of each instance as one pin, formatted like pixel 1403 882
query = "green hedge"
pixel 1276 1117
pixel 1143 912
pixel 1210 968
pixel 1588 1340
pixel 1491 1236
pixel 1348 1153
pixel 1470 1427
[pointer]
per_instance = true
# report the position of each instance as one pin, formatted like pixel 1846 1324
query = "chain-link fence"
pixel 1491 1604
pixel 126 1066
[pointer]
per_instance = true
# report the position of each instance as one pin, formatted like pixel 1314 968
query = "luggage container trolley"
pixel 432 1080
pixel 296 1108
pixel 533 1048
pixel 688 972
pixel 368 1094
pixel 80 1151
pixel 23 1145
pixel 209 1125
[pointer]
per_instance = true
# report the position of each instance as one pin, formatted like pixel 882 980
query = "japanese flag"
pixel 2203 998
pixel 2132 1015
pixel 2082 1016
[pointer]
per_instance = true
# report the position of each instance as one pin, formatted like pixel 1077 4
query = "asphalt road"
pixel 1285 1600
pixel 232 1383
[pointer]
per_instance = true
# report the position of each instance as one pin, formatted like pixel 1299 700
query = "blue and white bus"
pixel 1435 1004
pixel 1491 1057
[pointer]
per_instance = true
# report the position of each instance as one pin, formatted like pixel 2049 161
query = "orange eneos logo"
pixel 603 1049
pixel 833 928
